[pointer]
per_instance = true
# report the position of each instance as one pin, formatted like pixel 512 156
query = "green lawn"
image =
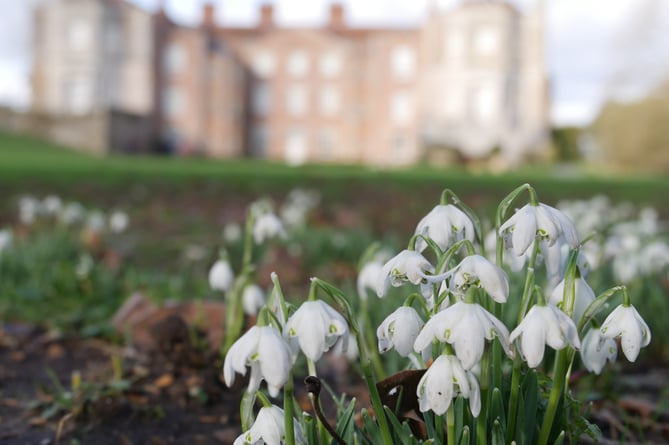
pixel 25 160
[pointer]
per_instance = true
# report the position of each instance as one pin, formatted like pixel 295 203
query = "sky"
pixel 595 49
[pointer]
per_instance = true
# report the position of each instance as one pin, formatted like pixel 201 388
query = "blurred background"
pixel 382 83
pixel 135 135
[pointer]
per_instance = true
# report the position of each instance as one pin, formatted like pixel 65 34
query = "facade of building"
pixel 469 80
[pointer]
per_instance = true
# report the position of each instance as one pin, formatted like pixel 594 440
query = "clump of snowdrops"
pixel 491 349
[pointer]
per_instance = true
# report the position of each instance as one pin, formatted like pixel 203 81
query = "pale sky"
pixel 594 48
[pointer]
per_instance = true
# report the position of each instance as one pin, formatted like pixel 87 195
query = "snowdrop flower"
pixel 29 207
pixel 445 224
pixel 476 270
pixel 270 428
pixel 221 276
pixel 515 263
pixel 583 296
pixel 407 265
pixel 118 221
pixel 596 350
pixel 6 239
pixel 443 381
pixel 626 323
pixel 540 222
pixel 232 232
pixel 72 213
pixel 267 225
pixel 52 204
pixel 95 221
pixel 317 327
pixel 544 325
pixel 84 266
pixel 368 277
pixel 266 352
pixel 466 326
pixel 253 298
pixel 399 330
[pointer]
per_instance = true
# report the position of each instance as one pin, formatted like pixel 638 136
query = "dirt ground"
pixel 174 394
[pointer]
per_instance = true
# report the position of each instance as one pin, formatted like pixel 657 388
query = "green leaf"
pixel 346 422
pixel 310 426
pixel 497 433
pixel 464 438
pixel 560 439
pixel 497 410
pixel 531 396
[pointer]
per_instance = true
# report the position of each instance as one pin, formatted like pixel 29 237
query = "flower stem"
pixel 288 410
pixel 559 376
pixel 322 431
pixel 517 362
pixel 450 425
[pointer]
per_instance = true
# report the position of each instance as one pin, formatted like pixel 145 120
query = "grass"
pixel 25 159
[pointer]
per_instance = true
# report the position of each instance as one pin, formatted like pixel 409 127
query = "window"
pixel 401 108
pixel 485 41
pixel 326 143
pixel 295 146
pixel 172 101
pixel 174 58
pixel 298 63
pixel 400 145
pixel 297 100
pixel 263 64
pixel 483 103
pixel 330 65
pixel 79 34
pixel 403 61
pixel 328 100
pixel 261 98
pixel 259 141
pixel 78 96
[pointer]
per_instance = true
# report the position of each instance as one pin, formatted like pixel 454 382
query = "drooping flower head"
pixel 445 380
pixel 478 271
pixel 583 296
pixel 266 352
pixel 399 330
pixel 270 428
pixel 537 222
pixel 267 225
pixel 445 225
pixel 368 277
pixel 221 276
pixel 408 265
pixel 317 327
pixel 466 326
pixel 626 323
pixel 544 325
pixel 253 298
pixel 596 350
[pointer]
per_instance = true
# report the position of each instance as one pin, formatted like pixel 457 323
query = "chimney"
pixel 266 15
pixel 208 13
pixel 337 15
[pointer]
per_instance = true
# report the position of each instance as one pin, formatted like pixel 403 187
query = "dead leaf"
pixel 164 381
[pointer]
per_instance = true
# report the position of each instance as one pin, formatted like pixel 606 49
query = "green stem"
pixel 288 410
pixel 517 362
pixel 370 340
pixel 368 372
pixel 559 376
pixel 513 399
pixel 322 431
pixel 484 382
pixel 450 425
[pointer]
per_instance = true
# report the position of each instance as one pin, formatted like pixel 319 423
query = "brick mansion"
pixel 469 82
